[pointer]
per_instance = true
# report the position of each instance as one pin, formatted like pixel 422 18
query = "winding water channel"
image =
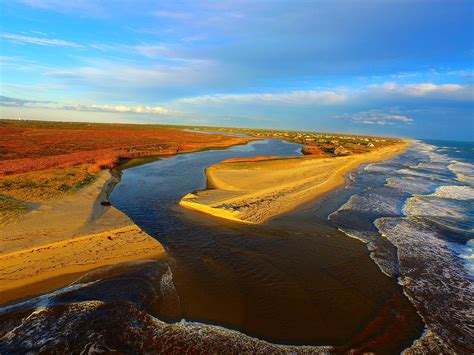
pixel 294 280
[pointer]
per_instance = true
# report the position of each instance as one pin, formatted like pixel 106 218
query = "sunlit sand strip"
pixel 254 191
pixel 188 202
pixel 52 246
pixel 41 269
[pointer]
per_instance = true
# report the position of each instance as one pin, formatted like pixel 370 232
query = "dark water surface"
pixel 416 213
pixel 294 280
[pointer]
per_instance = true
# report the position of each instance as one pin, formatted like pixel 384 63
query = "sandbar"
pixel 255 190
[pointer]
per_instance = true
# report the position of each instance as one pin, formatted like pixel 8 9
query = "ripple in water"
pixel 432 235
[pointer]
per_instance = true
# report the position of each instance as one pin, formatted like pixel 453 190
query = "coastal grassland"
pixel 254 191
pixel 20 193
pixel 45 184
pixel 27 146
pixel 11 209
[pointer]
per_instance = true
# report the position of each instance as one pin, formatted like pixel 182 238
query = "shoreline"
pixel 65 238
pixel 273 188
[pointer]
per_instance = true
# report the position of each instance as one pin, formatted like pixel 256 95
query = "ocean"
pixel 415 212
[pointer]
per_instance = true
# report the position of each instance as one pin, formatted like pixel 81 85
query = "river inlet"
pixel 289 281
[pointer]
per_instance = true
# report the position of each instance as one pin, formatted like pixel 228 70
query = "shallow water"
pixel 294 280
pixel 421 202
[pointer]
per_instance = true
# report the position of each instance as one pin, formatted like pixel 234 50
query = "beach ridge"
pixel 253 191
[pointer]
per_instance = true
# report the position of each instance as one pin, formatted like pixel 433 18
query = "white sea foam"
pixel 455 192
pixel 422 147
pixel 409 185
pixel 466 253
pixel 377 168
pixel 463 171
pixel 372 202
pixel 433 206
pixel 438 167
pixel 433 267
pixel 421 174
pixel 431 276
pixel 171 303
pixel 438 158
pixel 43 301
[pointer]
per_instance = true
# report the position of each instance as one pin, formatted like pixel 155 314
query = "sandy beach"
pixel 66 237
pixel 253 191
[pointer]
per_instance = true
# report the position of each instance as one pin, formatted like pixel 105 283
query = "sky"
pixel 381 67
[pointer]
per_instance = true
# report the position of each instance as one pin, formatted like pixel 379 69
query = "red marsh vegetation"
pixel 27 146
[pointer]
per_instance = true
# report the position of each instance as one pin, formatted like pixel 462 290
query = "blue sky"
pixel 376 67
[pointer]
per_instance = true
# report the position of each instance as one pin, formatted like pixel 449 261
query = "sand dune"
pixel 66 237
pixel 253 191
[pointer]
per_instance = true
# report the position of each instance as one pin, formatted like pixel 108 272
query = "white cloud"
pixel 109 74
pixel 426 90
pixel 378 117
pixel 16 102
pixel 338 96
pixel 39 40
pixel 153 51
pixel 285 98
pixel 157 110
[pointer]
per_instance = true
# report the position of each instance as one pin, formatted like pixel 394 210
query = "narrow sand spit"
pixel 65 238
pixel 253 191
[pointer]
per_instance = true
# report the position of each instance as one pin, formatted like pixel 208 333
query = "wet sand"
pixel 255 190
pixel 64 238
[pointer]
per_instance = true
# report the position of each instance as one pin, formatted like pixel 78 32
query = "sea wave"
pixel 435 207
pixel 465 252
pixel 436 166
pixel 425 174
pixel 377 168
pixel 431 234
pixel 455 192
pixel 430 275
pixel 438 158
pixel 464 171
pixel 373 201
pixel 410 185
pixel 99 327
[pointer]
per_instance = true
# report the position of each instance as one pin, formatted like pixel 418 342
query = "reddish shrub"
pixel 30 146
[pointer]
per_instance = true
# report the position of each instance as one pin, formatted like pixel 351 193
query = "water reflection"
pixel 292 281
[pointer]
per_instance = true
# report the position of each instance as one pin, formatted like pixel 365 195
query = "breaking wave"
pixel 418 223
pixel 434 207
pixel 464 171
pixel 90 327
pixel 456 192
pixel 410 185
